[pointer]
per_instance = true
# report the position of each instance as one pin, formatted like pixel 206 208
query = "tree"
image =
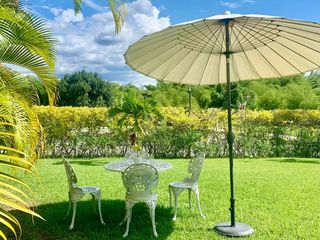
pixel 25 41
pixel 84 89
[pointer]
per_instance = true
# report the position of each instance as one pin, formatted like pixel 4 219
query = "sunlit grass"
pixel 279 198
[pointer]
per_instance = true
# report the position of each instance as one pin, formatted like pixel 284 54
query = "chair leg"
pixel 128 222
pixel 129 206
pixel 189 196
pixel 69 207
pixel 99 209
pixel 153 221
pixel 73 215
pixel 196 190
pixel 170 195
pixel 93 198
pixel 176 192
pixel 125 218
pixel 152 208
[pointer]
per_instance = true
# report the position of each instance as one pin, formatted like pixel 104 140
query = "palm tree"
pixel 26 42
pixel 117 7
pixel 133 111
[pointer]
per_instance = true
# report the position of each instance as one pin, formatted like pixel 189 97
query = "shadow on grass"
pixel 294 160
pixel 88 226
pixel 93 162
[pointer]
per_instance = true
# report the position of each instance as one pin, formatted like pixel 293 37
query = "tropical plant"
pixel 133 111
pixel 26 42
pixel 117 7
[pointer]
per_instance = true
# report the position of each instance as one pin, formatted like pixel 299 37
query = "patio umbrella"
pixel 223 49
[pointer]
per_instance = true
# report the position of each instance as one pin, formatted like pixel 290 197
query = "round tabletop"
pixel 120 166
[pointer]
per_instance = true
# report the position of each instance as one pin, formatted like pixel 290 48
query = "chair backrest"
pixel 71 175
pixel 132 154
pixel 195 166
pixel 139 180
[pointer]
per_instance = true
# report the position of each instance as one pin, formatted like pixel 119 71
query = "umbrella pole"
pixel 230 136
pixel 232 228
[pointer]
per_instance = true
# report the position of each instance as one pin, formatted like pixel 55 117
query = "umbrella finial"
pixel 227 13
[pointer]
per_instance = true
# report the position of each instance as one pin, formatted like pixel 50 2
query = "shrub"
pixel 87 131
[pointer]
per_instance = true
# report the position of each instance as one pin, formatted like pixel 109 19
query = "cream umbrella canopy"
pixel 223 49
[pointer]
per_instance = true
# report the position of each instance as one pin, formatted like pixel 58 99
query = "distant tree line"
pixel 89 89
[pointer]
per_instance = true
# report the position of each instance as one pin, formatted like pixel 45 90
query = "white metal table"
pixel 120 166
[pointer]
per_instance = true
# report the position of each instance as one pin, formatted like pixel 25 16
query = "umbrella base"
pixel 239 230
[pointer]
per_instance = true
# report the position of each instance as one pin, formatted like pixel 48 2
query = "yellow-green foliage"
pixel 89 131
pixel 66 121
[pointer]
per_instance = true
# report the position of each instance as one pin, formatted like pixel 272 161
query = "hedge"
pixel 89 132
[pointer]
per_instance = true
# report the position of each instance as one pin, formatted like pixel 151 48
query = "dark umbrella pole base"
pixel 239 230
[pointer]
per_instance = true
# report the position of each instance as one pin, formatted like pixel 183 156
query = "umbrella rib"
pixel 294 34
pixel 213 34
pixel 144 56
pixel 194 47
pixel 216 37
pixel 234 65
pixel 270 64
pixel 236 36
pixel 279 54
pixel 248 59
pixel 245 35
pixel 189 68
pixel 158 66
pixel 219 27
pixel 302 23
pixel 154 42
pixel 192 34
pixel 204 69
pixel 301 30
pixel 208 40
pixel 167 31
pixel 235 70
pixel 220 55
pixel 261 29
pixel 261 37
pixel 165 75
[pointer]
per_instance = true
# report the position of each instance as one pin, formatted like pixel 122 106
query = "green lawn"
pixel 278 197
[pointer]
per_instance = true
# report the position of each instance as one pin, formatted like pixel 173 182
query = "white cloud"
pixel 56 11
pixel 236 4
pixel 91 42
pixel 93 5
pixel 230 4
pixel 249 1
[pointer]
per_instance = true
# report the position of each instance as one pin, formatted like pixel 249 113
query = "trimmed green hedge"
pixel 84 132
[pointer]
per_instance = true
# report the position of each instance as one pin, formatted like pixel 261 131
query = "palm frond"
pixel 117 7
pixel 25 41
pixel 19 138
pixel 77 6
pixel 119 12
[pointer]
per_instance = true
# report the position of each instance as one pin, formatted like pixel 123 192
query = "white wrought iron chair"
pixel 190 183
pixel 76 193
pixel 140 180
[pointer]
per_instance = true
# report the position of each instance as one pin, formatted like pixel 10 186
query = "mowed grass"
pixel 278 197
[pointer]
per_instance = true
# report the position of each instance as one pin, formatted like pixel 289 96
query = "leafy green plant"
pixel 134 111
pixel 25 41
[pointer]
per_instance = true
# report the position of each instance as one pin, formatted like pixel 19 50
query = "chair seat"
pixel 182 184
pixel 89 189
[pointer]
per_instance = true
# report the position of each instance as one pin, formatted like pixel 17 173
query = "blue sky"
pixel 87 41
